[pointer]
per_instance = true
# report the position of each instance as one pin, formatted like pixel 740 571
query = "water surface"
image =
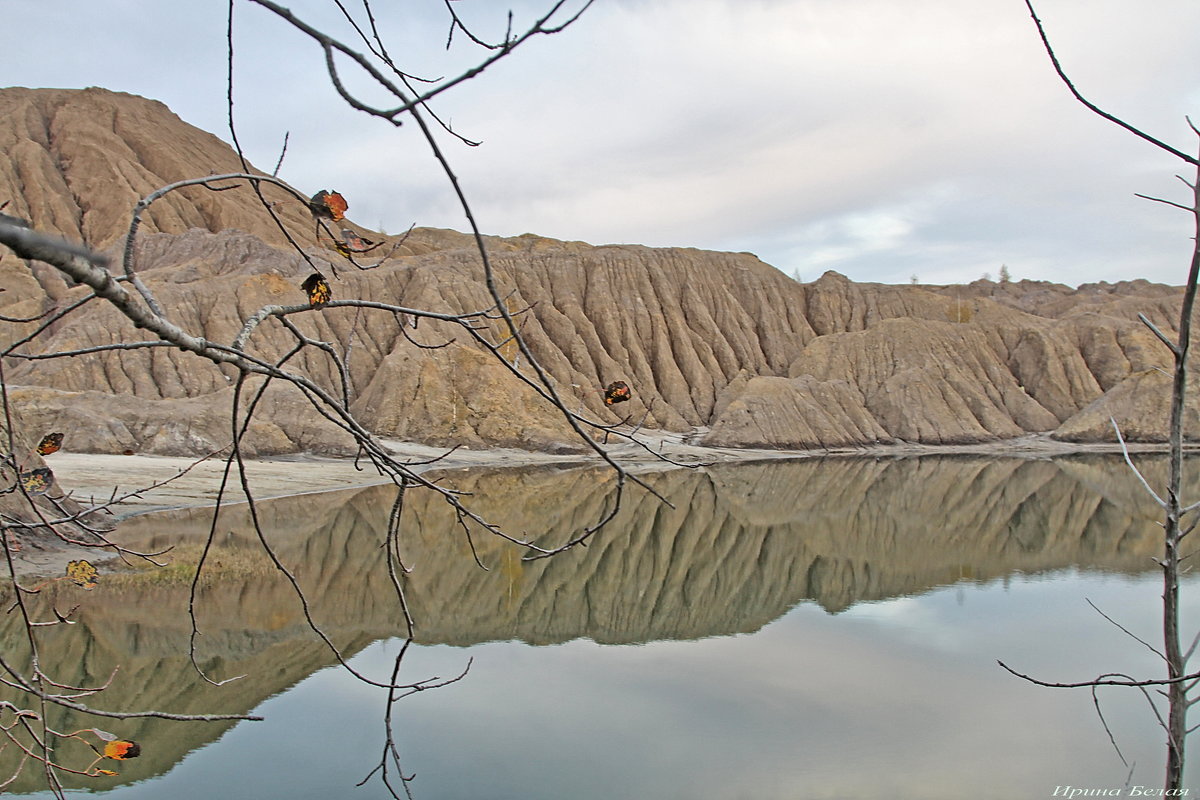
pixel 824 629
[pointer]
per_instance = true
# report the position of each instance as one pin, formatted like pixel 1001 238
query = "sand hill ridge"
pixel 718 346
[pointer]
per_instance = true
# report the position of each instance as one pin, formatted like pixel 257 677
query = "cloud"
pixel 750 125
pixel 877 138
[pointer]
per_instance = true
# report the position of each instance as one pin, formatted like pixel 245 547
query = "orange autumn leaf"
pixel 329 205
pixel 317 289
pixel 337 205
pixel 122 749
pixel 105 772
pixel 51 443
pixel 616 392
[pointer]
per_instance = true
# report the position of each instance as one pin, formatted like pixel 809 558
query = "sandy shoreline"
pixel 88 475
pixel 98 477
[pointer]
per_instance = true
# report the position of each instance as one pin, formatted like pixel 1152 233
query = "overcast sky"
pixel 876 138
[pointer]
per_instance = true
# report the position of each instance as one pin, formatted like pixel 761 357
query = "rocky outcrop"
pixel 717 343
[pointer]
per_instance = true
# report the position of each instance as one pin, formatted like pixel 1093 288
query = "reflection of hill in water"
pixel 742 545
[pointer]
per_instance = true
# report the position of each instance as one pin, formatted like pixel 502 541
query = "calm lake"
pixel 826 628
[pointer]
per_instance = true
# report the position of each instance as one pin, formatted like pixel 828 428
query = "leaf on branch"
pixel 317 289
pixel 353 243
pixel 108 772
pixel 122 749
pixel 616 392
pixel 37 481
pixel 51 443
pixel 328 205
pixel 82 573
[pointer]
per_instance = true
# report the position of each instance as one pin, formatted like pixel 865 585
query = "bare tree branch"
pixel 1092 106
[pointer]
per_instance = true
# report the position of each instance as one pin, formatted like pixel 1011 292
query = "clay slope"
pixel 77 162
pixel 718 345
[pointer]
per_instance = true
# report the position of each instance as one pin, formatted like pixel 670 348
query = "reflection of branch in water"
pixel 390 759
pixel 743 544
pixel 746 541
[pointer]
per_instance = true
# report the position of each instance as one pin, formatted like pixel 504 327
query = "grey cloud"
pixel 782 128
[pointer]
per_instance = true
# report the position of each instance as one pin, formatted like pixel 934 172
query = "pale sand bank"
pixel 88 475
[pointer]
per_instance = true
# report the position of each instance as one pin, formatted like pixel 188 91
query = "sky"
pixel 883 140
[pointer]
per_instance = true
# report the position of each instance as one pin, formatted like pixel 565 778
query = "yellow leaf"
pixel 37 481
pixel 317 289
pixel 82 573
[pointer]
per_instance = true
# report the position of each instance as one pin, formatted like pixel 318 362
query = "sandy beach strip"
pixel 93 477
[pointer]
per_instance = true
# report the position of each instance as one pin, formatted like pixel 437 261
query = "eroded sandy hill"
pixel 717 343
